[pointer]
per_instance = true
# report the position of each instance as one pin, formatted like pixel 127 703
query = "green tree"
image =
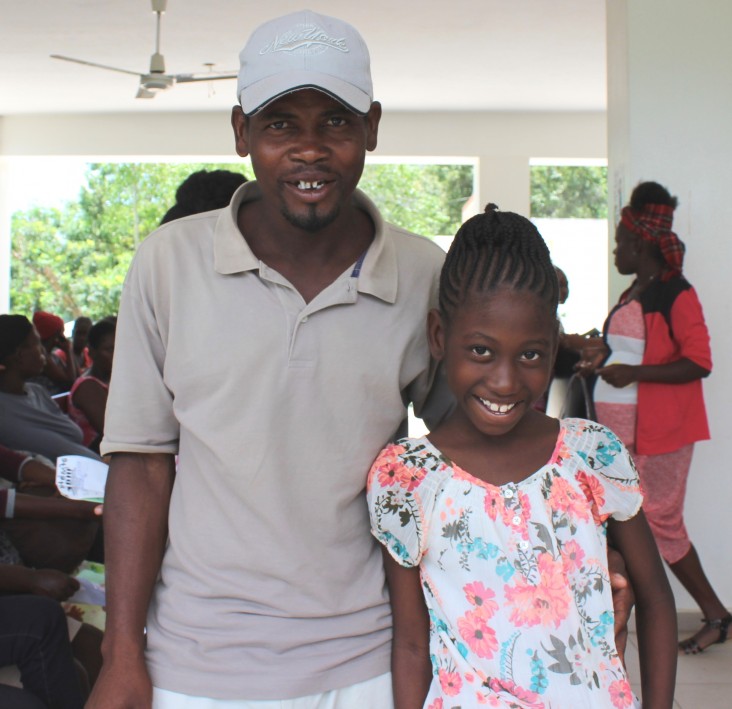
pixel 425 199
pixel 569 191
pixel 73 261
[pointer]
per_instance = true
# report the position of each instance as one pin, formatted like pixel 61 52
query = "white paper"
pixel 81 478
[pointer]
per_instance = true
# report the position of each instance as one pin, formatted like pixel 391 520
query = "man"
pixel 270 587
pixel 271 591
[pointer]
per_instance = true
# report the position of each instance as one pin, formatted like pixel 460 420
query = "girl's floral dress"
pixel 515 577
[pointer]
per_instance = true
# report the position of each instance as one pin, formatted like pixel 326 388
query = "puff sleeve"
pixel 606 472
pixel 396 502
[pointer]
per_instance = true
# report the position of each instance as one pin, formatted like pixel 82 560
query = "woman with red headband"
pixel 649 389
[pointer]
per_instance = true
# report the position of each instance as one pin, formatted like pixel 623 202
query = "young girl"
pixel 495 523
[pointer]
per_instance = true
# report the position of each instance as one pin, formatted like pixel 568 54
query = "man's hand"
pixel 618 375
pixel 623 599
pixel 123 685
pixel 52 583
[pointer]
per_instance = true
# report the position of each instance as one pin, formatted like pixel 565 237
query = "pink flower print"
pixel 562 453
pixel 386 466
pixel 572 555
pixel 620 694
pixel 544 604
pixel 525 503
pixel 481 597
pixel 595 494
pixel 388 474
pixel 564 498
pixel 494 504
pixel 509 513
pixel 448 509
pixel 528 699
pixel 408 477
pixel 450 682
pixel 437 704
pixel 481 638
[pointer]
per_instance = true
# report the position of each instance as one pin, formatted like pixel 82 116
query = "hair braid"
pixel 497 249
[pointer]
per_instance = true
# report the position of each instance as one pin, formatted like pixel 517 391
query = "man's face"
pixel 307 152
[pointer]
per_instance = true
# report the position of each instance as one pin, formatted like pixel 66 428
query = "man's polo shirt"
pixel 271 586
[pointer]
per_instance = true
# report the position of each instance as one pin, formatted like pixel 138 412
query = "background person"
pixel 58 373
pixel 649 389
pixel 203 191
pixel 35 638
pixel 88 395
pixel 79 336
pixel 29 418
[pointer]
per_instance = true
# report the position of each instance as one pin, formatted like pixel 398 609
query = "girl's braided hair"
pixel 497 249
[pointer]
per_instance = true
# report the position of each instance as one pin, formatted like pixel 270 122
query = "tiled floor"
pixel 702 681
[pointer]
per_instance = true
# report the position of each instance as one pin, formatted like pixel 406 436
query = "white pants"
pixel 372 694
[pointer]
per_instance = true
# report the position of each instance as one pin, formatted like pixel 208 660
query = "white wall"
pixel 669 113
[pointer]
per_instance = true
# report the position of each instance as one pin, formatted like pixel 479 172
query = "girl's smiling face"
pixel 498 351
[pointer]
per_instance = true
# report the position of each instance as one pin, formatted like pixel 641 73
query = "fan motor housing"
pixel 151 82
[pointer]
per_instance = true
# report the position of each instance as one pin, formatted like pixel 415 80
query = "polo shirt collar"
pixel 231 251
pixel 378 276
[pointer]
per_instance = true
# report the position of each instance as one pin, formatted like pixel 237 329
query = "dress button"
pixel 523 544
pixel 516 520
pixel 508 494
pixel 305 319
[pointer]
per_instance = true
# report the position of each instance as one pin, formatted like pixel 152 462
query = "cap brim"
pixel 255 97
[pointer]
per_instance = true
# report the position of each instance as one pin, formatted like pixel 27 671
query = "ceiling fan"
pixel 156 79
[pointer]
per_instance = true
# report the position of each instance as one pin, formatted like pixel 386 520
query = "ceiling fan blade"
pixel 142 92
pixel 94 64
pixel 188 78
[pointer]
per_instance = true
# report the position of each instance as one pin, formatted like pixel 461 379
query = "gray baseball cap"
pixel 305 50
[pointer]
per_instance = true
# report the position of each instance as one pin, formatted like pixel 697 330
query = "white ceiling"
pixel 426 54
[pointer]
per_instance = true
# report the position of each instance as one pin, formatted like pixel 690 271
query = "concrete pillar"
pixel 669 113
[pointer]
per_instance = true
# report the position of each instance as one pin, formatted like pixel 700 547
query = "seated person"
pixel 79 337
pixel 58 373
pixel 86 640
pixel 17 572
pixel 36 639
pixel 88 397
pixel 29 418
pixel 42 529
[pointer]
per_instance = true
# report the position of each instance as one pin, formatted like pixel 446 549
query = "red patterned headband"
pixel 653 224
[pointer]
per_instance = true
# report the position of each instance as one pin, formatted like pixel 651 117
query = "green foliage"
pixel 425 199
pixel 73 261
pixel 569 191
